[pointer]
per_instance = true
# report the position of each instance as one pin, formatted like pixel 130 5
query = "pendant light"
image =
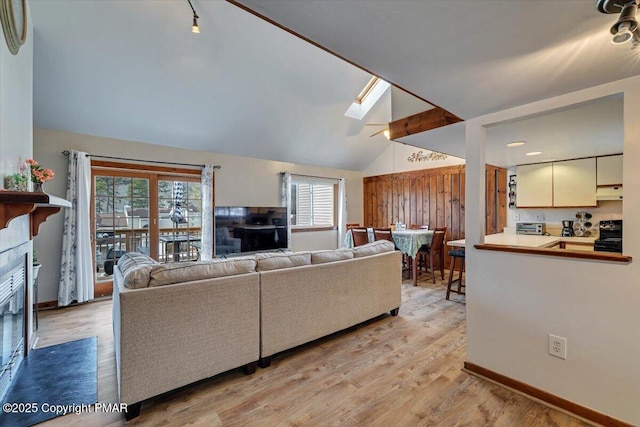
pixel 194 27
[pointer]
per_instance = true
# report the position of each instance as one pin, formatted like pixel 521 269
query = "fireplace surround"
pixel 13 280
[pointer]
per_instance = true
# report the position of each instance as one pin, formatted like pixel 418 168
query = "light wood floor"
pixel 393 371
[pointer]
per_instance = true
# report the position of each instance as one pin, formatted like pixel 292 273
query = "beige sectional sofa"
pixel 175 324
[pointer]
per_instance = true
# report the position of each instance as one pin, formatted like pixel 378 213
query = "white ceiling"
pixel 470 57
pixel 133 70
pixel 474 57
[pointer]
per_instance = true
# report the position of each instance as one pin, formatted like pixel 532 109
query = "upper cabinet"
pixel 609 170
pixel 535 186
pixel 565 184
pixel 574 183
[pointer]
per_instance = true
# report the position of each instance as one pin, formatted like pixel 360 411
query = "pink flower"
pixel 38 173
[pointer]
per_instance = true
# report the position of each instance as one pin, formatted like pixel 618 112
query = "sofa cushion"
pixel 135 269
pixel 377 247
pixel 320 257
pixel 277 260
pixel 167 274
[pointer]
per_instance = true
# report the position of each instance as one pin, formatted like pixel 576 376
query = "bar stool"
pixel 456 254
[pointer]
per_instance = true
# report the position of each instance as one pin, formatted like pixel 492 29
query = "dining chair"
pixel 360 236
pixel 382 233
pixel 428 255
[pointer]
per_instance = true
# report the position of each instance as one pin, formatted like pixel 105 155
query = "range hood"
pixel 609 193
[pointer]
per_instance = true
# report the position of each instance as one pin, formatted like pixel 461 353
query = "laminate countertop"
pixel 528 241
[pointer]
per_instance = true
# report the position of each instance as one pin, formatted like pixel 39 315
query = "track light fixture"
pixel 626 27
pixel 194 28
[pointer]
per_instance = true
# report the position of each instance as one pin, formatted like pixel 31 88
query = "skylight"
pixel 367 98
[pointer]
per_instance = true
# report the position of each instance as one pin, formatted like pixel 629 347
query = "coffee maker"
pixel 567 228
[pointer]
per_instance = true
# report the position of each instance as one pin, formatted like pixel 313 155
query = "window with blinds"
pixel 312 204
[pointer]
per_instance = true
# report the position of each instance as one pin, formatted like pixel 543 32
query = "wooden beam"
pixel 422 122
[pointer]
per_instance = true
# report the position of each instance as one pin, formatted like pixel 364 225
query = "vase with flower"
pixel 39 175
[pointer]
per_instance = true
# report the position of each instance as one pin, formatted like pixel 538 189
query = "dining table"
pixel 408 242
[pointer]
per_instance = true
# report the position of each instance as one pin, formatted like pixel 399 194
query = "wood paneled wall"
pixel 434 197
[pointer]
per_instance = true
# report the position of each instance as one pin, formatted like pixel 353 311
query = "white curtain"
pixel 342 211
pixel 76 266
pixel 207 213
pixel 285 200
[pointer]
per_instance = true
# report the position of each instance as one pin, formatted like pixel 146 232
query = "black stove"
pixel 610 239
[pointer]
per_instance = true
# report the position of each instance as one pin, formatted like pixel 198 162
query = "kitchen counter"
pixel 527 241
pixel 553 246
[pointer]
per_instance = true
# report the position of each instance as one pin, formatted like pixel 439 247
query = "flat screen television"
pixel 242 229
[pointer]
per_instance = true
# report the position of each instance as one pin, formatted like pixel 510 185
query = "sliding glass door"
pixel 150 212
pixel 180 218
pixel 121 221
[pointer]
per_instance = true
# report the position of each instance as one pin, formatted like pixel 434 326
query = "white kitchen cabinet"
pixel 609 193
pixel 535 185
pixel 609 170
pixel 574 183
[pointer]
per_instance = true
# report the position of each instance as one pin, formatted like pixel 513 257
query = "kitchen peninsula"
pixel 542 245
pixel 528 241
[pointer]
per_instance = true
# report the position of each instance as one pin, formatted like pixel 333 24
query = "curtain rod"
pixel 310 176
pixel 67 152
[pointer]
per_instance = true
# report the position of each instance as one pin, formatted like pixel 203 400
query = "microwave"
pixel 534 228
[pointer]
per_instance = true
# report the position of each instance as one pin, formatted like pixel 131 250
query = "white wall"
pixel 16 130
pixel 514 301
pixel 404 104
pixel 16 108
pixel 241 181
pixel 607 209
pixel 394 160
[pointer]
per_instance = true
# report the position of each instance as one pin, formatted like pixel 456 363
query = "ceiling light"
pixel 194 28
pixel 623 34
pixel 626 27
pixel 386 133
pixel 533 153
pixel 516 144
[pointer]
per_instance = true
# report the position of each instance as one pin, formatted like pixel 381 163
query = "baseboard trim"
pixel 545 397
pixel 47 305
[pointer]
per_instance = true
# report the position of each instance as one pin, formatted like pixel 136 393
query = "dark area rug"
pixel 53 381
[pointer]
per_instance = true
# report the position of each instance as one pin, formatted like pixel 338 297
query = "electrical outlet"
pixel 539 216
pixel 558 346
pixel 516 216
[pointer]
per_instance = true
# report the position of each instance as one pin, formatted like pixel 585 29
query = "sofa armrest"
pixel 170 336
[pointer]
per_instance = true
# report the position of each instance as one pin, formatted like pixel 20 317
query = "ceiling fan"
pixel 384 130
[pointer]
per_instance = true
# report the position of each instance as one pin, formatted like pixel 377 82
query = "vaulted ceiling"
pixel 133 70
